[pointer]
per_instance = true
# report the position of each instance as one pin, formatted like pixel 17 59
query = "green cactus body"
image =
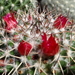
pixel 13 5
pixel 37 44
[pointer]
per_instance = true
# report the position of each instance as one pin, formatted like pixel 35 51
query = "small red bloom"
pixel 24 48
pixel 60 22
pixel 16 37
pixel 10 21
pixel 29 17
pixel 2 63
pixel 49 46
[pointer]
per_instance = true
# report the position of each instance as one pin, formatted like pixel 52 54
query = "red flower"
pixel 49 47
pixel 60 22
pixel 30 17
pixel 2 63
pixel 24 48
pixel 16 37
pixel 10 21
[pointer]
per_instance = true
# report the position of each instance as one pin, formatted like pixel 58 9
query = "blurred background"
pixel 64 6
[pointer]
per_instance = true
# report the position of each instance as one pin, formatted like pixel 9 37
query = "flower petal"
pixel 51 40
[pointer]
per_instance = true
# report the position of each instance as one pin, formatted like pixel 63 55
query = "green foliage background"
pixel 13 5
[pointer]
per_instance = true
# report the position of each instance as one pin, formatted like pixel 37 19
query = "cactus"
pixel 37 44
pixel 13 5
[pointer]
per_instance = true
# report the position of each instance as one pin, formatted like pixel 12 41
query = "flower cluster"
pixel 49 46
pixel 33 42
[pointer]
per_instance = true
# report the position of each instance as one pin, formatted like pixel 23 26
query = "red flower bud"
pixel 2 63
pixel 10 21
pixel 30 17
pixel 60 22
pixel 24 48
pixel 49 47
